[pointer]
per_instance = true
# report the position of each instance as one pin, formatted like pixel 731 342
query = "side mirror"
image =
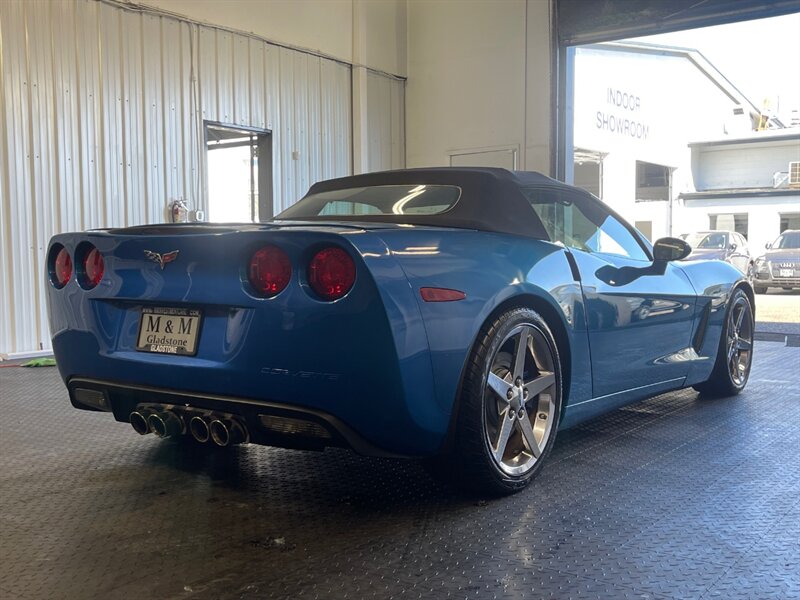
pixel 768 245
pixel 732 246
pixel 669 248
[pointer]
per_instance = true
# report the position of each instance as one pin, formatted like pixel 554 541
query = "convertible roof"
pixel 491 199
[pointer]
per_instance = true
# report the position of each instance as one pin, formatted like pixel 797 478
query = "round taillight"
pixel 331 273
pixel 62 268
pixel 269 271
pixel 93 268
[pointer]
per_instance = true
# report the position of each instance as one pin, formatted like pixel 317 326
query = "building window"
pixel 645 228
pixel 790 221
pixel 588 175
pixel 729 222
pixel 653 182
pixel 587 171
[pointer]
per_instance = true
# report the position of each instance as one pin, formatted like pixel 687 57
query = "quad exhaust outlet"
pixel 198 427
pixel 226 432
pixel 165 424
pixel 139 422
pixel 170 421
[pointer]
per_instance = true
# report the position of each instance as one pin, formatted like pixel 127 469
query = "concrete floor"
pixel 778 306
pixel 676 497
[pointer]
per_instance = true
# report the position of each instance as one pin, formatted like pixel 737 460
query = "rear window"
pixel 376 200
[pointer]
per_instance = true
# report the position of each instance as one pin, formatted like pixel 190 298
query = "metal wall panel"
pixel 385 122
pixel 101 111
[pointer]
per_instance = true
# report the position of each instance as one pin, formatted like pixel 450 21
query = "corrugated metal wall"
pixel 386 126
pixel 101 112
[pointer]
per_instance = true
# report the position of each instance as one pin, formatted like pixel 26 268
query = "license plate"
pixel 786 272
pixel 169 330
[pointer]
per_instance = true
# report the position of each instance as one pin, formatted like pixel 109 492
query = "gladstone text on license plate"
pixel 169 330
pixel 786 272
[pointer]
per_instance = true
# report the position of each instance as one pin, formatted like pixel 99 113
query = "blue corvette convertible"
pixel 465 315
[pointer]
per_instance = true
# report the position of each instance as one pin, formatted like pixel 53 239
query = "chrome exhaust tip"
pixel 227 432
pixel 139 422
pixel 165 424
pixel 198 427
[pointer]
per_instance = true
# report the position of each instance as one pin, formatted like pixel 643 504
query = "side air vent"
pixel 702 326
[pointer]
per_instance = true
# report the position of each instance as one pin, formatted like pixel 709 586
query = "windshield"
pixel 706 240
pixel 790 239
pixel 376 200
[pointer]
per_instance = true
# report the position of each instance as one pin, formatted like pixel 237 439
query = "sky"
pixel 761 58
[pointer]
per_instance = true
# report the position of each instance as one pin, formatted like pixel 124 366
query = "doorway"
pixel 239 163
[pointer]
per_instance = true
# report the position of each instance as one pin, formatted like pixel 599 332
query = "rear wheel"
pixel 735 352
pixel 509 406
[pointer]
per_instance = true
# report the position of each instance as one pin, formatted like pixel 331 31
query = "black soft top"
pixel 491 199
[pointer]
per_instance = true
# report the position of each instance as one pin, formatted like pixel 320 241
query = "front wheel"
pixel 509 406
pixel 751 273
pixel 735 352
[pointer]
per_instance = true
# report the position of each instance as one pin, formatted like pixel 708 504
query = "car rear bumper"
pixel 364 358
pixel 268 423
pixel 368 398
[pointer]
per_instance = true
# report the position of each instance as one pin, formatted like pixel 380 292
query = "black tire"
pixel 760 290
pixel 735 352
pixel 531 407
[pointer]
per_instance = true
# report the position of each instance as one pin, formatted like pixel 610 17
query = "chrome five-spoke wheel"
pixel 508 407
pixel 519 399
pixel 735 351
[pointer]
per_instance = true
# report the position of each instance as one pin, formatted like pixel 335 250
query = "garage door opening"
pixel 695 130
pixel 239 174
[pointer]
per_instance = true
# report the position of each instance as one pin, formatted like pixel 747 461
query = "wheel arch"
pixel 558 328
pixel 749 291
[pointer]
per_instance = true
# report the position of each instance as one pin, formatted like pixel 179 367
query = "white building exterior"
pixel 636 109
pixel 744 182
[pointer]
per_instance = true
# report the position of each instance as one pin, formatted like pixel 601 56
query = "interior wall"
pixel 101 124
pixel 328 27
pixel 385 137
pixel 479 79
pixel 385 36
pixel 325 26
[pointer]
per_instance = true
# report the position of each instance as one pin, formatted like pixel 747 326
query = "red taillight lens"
pixel 331 273
pixel 93 268
pixel 269 271
pixel 62 268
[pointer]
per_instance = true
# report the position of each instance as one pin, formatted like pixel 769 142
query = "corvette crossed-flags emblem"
pixel 161 259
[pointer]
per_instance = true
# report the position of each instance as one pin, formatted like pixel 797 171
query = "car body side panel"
pixel 640 322
pixel 491 269
pixel 714 282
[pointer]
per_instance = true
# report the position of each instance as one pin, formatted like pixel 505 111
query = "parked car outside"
pixel 458 315
pixel 729 246
pixel 780 265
